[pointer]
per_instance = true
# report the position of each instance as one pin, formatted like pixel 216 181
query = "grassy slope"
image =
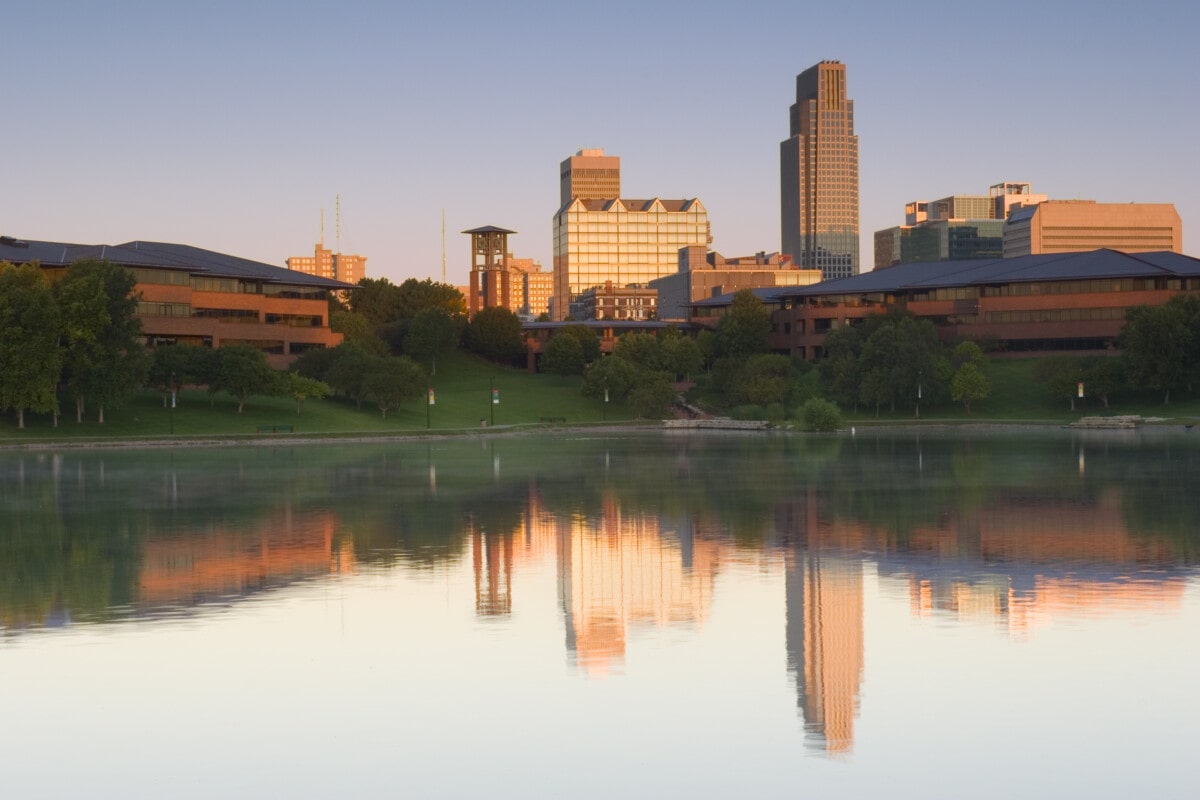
pixel 462 390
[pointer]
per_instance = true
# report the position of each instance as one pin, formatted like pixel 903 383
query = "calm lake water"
pixel 652 615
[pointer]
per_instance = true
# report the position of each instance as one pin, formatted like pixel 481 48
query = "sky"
pixel 233 126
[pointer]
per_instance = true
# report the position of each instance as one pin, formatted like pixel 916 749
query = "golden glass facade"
pixel 818 167
pixel 621 241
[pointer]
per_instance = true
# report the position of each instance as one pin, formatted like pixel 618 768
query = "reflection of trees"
pixel 73 537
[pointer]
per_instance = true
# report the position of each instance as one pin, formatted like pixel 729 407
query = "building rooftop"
pixel 1090 265
pixel 159 255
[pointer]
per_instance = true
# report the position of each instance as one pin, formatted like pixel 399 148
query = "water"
pixel 653 615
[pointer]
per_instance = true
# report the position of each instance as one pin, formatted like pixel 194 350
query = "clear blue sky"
pixel 231 125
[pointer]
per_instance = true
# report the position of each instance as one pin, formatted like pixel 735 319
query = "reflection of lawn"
pixel 462 392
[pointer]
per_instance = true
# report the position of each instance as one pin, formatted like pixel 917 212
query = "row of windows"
pixel 1056 315
pixel 294 320
pixel 1091 286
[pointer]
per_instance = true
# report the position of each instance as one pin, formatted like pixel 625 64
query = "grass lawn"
pixel 462 393
pixel 1017 397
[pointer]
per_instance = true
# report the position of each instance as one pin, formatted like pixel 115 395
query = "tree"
pixel 30 357
pixel 495 333
pixel 746 329
pixel 763 380
pixel 651 396
pixel 300 388
pixel 642 350
pixel 243 371
pixel 1160 344
pixel 612 375
pixel 563 356
pixel 104 357
pixel 681 354
pixel 356 329
pixel 1103 376
pixel 392 381
pixel 589 342
pixel 1060 375
pixel 173 366
pixel 348 370
pixel 430 332
pixel 969 385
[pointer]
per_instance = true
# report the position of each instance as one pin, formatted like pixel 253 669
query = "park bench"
pixel 275 429
pixel 554 420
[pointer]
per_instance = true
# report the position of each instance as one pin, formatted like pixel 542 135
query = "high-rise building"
pixel 589 174
pixel 818 170
pixel 325 263
pixel 598 240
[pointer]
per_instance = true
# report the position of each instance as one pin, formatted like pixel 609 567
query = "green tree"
pixel 563 356
pixel 300 388
pixel 1157 343
pixel 431 332
pixel 681 355
pixel 1103 376
pixel 172 367
pixel 495 334
pixel 589 342
pixel 764 379
pixel 745 329
pixel 348 369
pixel 642 350
pixel 651 396
pixel 30 357
pixel 1060 375
pixel 357 329
pixel 243 371
pixel 611 374
pixel 104 357
pixel 392 381
pixel 969 385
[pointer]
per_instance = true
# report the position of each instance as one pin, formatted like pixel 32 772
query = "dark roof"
pixel 1089 265
pixel 1094 264
pixel 160 255
pixel 620 324
pixel 489 229
pixel 768 294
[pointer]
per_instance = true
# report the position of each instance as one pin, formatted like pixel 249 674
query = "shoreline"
pixel 1157 425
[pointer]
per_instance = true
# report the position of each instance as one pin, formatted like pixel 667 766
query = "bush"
pixel 820 415
pixel 748 412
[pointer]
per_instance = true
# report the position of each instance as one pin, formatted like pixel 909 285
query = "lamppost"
pixel 606 399
pixel 172 414
pixel 495 402
pixel 918 394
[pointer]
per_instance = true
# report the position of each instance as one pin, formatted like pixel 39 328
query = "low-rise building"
pixel 1035 303
pixel 1068 226
pixel 633 302
pixel 703 273
pixel 187 295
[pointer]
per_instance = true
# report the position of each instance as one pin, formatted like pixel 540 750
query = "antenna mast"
pixel 337 205
pixel 322 227
pixel 443 245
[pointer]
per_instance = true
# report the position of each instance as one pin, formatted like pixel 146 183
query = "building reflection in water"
pixel 620 570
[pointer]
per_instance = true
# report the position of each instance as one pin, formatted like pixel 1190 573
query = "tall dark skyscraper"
pixel 818 170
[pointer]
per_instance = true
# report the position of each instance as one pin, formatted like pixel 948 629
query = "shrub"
pixel 820 415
